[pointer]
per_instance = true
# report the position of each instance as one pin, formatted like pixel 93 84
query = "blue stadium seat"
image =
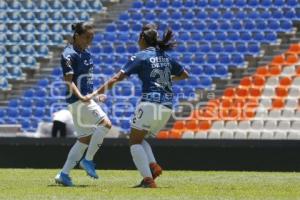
pixel 15 6
pixel 237 59
pixel 253 3
pixel 209 70
pixel 279 3
pixel 120 49
pixel 43 83
pixel 26 112
pixel 292 3
pixel 196 70
pixel 69 5
pixel 224 59
pixel 241 3
pixel 13 103
pixel 205 82
pixel 150 4
pixel 26 103
pixel 124 16
pixel 286 25
pixel 228 3
pixel 176 4
pixel 189 16
pixel 96 5
pixel 217 47
pixel 3 28
pixel 39 113
pixel 199 58
pixel 221 71
pixel 3 39
pixel 4 72
pixel 3 16
pixel 12 113
pixel 229 47
pixel 211 59
pixel 266 3
pixel 214 3
pixel 56 5
pixel 15 39
pixel 186 59
pixel 109 36
pixel 40 93
pixel 137 4
pixel 3 5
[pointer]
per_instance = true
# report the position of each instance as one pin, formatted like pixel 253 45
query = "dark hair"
pixel 81 27
pixel 150 34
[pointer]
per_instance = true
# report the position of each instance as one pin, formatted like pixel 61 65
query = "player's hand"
pixel 87 98
pixel 100 98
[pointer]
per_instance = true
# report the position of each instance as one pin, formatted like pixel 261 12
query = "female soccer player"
pixel 91 123
pixel 156 70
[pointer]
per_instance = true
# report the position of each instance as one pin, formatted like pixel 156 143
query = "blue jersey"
pixel 154 68
pixel 80 64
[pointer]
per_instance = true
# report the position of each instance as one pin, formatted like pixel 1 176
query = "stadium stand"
pixel 215 41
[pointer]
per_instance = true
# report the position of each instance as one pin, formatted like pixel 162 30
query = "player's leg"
pixel 55 128
pixel 139 129
pixel 78 149
pixel 74 157
pixel 162 116
pixel 94 145
pixel 96 118
pixel 140 158
pixel 155 168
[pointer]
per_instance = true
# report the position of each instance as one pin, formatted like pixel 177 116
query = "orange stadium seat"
pixel 175 134
pixel 274 70
pixel 191 125
pixel 246 82
pixel 254 92
pixel 229 93
pixel 294 48
pixel 278 60
pixel 277 103
pixel 204 125
pixel 179 125
pixel 291 59
pixel 285 81
pixel 281 91
pixel 258 81
pixel 262 71
pixel 241 93
pixel 298 70
pixel 163 135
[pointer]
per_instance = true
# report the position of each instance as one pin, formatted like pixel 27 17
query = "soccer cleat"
pixel 156 170
pixel 89 167
pixel 63 179
pixel 147 182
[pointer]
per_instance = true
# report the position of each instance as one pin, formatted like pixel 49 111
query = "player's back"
pixel 154 68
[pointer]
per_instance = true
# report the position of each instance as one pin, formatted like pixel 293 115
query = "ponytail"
pixel 167 42
pixel 151 37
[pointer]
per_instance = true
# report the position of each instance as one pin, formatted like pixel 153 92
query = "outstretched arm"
pixel 183 75
pixel 73 88
pixel 109 84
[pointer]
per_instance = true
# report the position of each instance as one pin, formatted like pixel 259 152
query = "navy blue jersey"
pixel 80 64
pixel 154 68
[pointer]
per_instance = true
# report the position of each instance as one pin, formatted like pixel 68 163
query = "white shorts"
pixel 86 117
pixel 151 117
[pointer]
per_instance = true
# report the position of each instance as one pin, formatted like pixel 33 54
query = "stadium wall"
pixel 250 155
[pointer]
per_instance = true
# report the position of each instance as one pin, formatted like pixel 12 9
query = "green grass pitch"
pixel 31 184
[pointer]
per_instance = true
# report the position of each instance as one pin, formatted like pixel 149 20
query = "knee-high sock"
pixel 140 160
pixel 74 156
pixel 148 151
pixel 96 141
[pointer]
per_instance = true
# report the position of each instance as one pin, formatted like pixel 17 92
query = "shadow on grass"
pixel 75 186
